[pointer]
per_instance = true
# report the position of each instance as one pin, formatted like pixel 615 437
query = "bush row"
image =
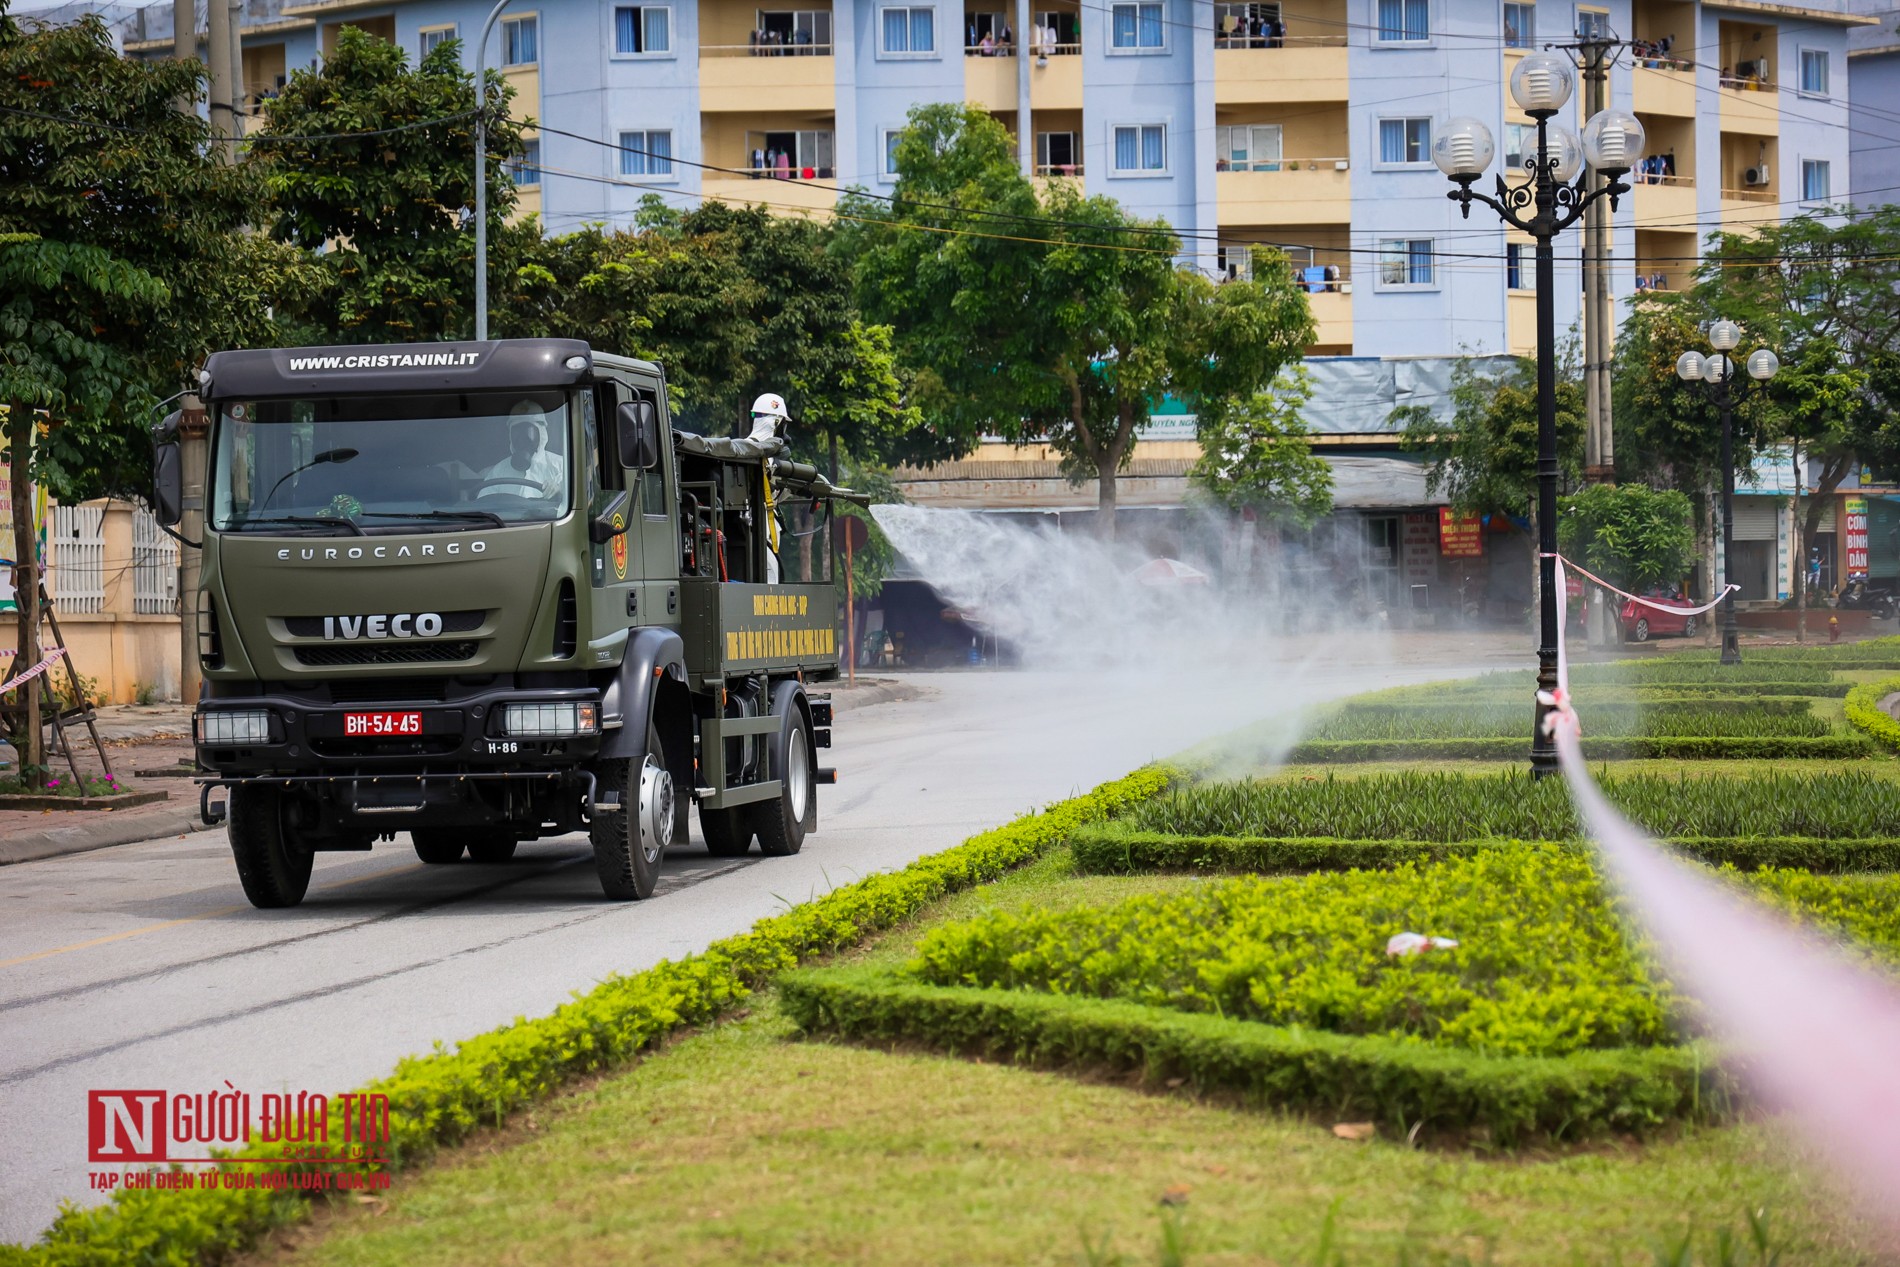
pixel 1399 1084
pixel 1644 692
pixel 1541 967
pixel 439 1098
pixel 1511 719
pixel 1113 850
pixel 1848 803
pixel 1599 702
pixel 1674 747
pixel 1865 714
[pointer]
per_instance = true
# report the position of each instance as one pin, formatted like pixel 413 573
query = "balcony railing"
pixel 1009 50
pixel 1058 169
pixel 765 50
pixel 1281 165
pixel 1235 39
pixel 1661 178
pixel 1748 195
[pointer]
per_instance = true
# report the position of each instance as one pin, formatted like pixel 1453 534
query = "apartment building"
pixel 1305 123
pixel 1873 65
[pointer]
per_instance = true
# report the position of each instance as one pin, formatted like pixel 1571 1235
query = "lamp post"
pixel 1716 374
pixel 1552 199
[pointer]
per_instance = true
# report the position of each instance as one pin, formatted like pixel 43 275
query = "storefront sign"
pixel 1420 545
pixel 1856 535
pixel 1459 536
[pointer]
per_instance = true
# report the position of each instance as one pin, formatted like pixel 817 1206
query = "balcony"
pixel 1308 68
pixel 779 195
pixel 1664 91
pixel 1055 83
pixel 1663 201
pixel 739 77
pixel 1750 106
pixel 1520 319
pixel 1292 191
pixel 1332 318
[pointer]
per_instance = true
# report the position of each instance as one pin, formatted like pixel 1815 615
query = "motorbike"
pixel 1877 597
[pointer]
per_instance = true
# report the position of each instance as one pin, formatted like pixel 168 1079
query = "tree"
pixel 1053 316
pixel 385 206
pixel 1669 433
pixel 1256 455
pixel 1485 459
pixel 117 234
pixel 1629 535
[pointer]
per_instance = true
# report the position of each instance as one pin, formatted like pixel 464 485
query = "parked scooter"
pixel 1860 594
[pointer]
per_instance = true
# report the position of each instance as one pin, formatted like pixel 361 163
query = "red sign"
pixel 126 1126
pixel 1856 534
pixel 1459 536
pixel 382 724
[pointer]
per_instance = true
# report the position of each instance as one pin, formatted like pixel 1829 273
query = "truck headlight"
pixel 234 726
pixel 550 721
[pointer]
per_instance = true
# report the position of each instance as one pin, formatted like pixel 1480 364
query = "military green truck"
pixel 486 592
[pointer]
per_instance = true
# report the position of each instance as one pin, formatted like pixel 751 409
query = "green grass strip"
pixel 1676 747
pixel 438 1099
pixel 1512 1100
pixel 1108 849
pixel 1865 714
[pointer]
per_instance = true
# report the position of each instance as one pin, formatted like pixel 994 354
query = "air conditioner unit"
pixel 1755 176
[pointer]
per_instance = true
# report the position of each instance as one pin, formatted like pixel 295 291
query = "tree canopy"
pixel 1043 314
pixel 1256 455
pixel 1485 459
pixel 1630 535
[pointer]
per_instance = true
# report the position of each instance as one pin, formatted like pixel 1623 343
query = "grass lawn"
pixel 743 1143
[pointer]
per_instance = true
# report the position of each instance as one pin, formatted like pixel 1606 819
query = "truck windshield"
pixel 364 464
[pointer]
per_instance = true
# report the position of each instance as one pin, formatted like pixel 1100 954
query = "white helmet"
pixel 771 405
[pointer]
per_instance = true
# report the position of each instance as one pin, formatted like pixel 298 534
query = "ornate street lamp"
pixel 1550 201
pixel 1717 377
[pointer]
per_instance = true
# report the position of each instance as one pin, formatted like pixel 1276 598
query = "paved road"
pixel 142 967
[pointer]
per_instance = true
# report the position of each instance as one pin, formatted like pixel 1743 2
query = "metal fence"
pixel 154 567
pixel 77 550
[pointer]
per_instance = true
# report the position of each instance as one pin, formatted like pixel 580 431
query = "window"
pixel 1593 24
pixel 890 137
pixel 1404 21
pixel 1520 139
pixel 1247 148
pixel 910 31
pixel 1141 149
pixel 792 33
pixel 1235 262
pixel 434 35
pixel 525 168
pixel 1814 181
pixel 1405 262
pixel 1405 140
pixel 800 150
pixel 646 29
pixel 1814 71
pixel 1520 266
pixel 519 42
pixel 1067 28
pixel 1057 154
pixel 1135 26
pixel 646 153
pixel 1248 24
pixel 1520 26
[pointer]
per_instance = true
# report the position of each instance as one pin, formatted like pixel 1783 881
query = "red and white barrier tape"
pixel 1711 605
pixel 35 671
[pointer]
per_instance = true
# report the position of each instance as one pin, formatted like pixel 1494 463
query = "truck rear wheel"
pixel 273 865
pixel 630 843
pixel 728 832
pixel 780 821
pixel 492 845
pixel 437 846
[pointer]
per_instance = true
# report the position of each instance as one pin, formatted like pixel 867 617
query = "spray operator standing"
pixel 769 417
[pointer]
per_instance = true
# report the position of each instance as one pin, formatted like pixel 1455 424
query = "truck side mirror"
pixel 168 478
pixel 609 519
pixel 637 424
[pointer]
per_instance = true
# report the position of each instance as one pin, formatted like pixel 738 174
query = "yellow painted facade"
pixel 1297 74
pixel 1299 193
pixel 737 84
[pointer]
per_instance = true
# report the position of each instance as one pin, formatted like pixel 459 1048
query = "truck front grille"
pixel 388 653
pixel 452 623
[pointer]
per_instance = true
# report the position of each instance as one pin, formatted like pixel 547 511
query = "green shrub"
pixel 1512 720
pixel 1116 849
pixel 1402 1085
pixel 439 1098
pixel 1542 967
pixel 1642 692
pixel 1825 748
pixel 1835 804
pixel 1865 714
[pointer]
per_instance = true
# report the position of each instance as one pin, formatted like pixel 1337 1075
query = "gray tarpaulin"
pixel 1355 395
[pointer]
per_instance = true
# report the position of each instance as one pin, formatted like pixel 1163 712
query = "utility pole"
pixel 218 59
pixel 1025 134
pixel 1599 459
pixel 191 423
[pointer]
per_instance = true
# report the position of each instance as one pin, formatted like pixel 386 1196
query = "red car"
pixel 1641 622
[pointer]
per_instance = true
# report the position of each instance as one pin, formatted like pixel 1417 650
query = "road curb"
pixel 57 842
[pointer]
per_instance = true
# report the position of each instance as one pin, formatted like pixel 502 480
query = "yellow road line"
pixel 189 919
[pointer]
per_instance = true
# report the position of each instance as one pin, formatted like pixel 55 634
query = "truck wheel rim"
pixel 798 772
pixel 655 808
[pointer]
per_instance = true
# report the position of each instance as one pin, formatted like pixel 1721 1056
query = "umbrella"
pixel 1170 572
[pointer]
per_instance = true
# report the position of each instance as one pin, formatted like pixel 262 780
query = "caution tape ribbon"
pixel 1711 605
pixel 35 671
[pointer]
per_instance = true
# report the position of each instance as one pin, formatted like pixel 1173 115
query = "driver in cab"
pixel 528 470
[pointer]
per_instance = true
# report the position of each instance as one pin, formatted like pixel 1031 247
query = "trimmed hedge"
pixel 1683 748
pixel 1109 849
pixel 1515 1099
pixel 1865 714
pixel 440 1098
pixel 1480 689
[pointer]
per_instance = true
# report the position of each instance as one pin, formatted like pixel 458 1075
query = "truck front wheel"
pixel 780 821
pixel 630 842
pixel 273 865
pixel 437 846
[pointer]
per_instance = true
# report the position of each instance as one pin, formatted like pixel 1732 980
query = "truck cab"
pixel 485 592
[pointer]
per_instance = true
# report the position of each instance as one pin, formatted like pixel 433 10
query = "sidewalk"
pixel 157 737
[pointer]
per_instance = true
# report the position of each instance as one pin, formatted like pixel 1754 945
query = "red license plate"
pixel 376 725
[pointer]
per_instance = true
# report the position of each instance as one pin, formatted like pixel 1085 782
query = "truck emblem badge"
pixel 401 625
